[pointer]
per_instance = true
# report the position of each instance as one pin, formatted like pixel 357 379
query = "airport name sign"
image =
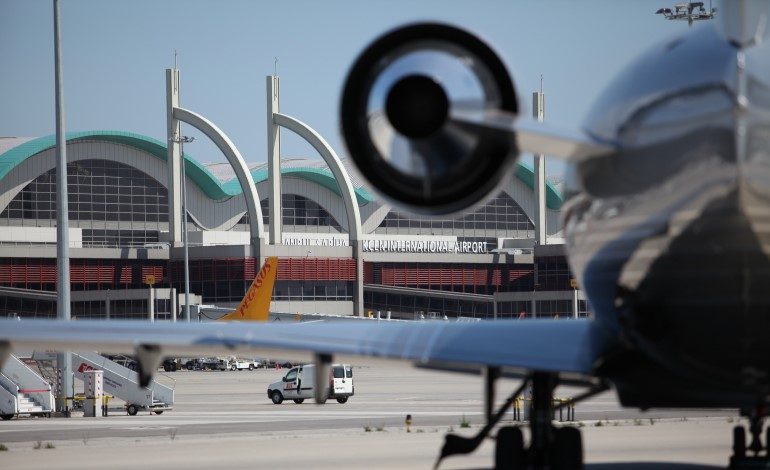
pixel 424 246
pixel 315 241
pixel 396 246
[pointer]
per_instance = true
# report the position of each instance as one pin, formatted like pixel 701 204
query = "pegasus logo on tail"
pixel 255 305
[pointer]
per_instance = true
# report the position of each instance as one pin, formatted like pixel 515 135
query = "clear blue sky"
pixel 115 53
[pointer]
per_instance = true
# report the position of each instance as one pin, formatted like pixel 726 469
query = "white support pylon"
pixel 274 160
pixel 541 234
pixel 174 158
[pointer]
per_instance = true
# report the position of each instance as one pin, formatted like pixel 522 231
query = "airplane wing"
pixel 535 137
pixel 570 346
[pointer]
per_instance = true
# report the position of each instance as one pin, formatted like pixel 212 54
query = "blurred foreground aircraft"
pixel 668 232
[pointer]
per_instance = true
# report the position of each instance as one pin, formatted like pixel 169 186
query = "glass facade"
pixel 313 290
pixel 407 306
pixel 123 309
pixel 501 215
pixel 226 280
pixel 552 273
pixel 300 214
pixel 115 204
pixel 545 308
pixel 217 280
pixel 114 238
pixel 27 308
pixel 512 309
pixel 87 309
pixel 452 277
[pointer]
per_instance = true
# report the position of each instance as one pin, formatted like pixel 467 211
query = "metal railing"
pixel 9 400
pixel 562 405
pixel 106 363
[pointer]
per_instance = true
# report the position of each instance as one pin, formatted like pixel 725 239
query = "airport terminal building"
pixel 119 225
pixel 341 250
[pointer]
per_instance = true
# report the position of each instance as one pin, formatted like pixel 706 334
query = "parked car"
pixel 243 364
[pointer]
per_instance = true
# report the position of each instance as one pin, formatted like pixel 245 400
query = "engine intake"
pixel 396 116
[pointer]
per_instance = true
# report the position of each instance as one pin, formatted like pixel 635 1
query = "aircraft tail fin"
pixel 255 305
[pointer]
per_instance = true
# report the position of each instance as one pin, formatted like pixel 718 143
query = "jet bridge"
pixel 123 383
pixel 23 391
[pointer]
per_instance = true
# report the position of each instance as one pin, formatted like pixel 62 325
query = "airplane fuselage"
pixel 669 236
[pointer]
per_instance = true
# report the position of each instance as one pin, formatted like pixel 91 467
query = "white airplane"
pixel 666 229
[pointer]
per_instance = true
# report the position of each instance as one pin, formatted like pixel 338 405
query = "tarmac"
pixel 226 419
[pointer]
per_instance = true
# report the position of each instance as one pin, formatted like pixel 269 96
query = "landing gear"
pixel 567 449
pixel 739 442
pixel 760 457
pixel 540 418
pixel 554 448
pixel 550 447
pixel 509 451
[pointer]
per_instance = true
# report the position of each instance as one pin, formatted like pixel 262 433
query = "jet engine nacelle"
pixel 398 114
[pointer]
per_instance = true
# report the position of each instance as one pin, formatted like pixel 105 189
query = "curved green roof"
pixel 202 177
pixel 320 176
pixel 527 176
pixel 195 171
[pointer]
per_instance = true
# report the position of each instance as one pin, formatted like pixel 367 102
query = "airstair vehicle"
pixel 23 391
pixel 123 383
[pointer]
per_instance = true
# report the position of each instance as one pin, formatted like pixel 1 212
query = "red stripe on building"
pixel 316 269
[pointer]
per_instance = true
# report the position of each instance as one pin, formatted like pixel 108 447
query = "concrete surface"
pixel 226 419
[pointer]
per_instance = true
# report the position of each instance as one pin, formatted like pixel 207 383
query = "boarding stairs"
pixel 123 383
pixel 29 405
pixel 23 391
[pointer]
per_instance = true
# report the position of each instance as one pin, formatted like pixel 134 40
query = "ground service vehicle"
pixel 206 363
pixel 243 364
pixel 299 384
pixel 171 364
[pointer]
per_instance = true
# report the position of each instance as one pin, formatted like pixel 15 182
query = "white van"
pixel 299 384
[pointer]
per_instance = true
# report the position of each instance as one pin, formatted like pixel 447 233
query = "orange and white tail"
pixel 255 305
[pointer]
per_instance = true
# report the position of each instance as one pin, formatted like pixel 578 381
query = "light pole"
pixel 181 141
pixel 691 11
pixel 305 268
pixel 63 359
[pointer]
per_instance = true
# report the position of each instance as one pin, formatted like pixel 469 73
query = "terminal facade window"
pixel 135 309
pixel 226 280
pixel 313 290
pixel 452 277
pixel 26 308
pixel 553 273
pixel 545 309
pixel 115 204
pixel 501 216
pixel 300 214
pixel 410 306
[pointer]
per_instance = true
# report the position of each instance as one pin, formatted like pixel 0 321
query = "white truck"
pixel 243 364
pixel 299 384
